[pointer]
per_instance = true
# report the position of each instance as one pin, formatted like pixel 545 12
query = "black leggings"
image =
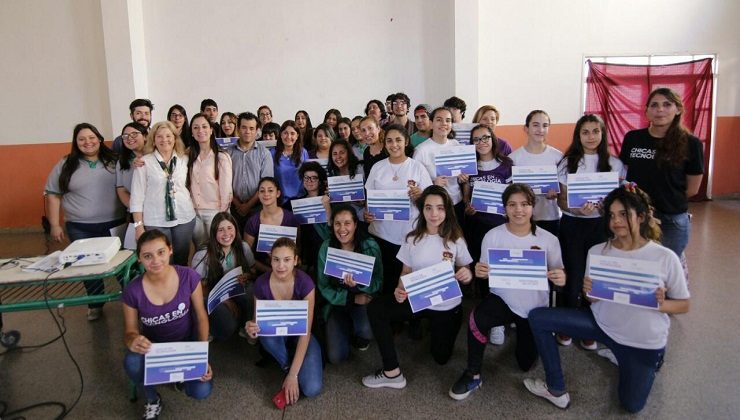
pixel 493 312
pixel 391 265
pixel 577 236
pixel 385 310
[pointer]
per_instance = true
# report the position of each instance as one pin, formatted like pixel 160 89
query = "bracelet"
pixel 139 223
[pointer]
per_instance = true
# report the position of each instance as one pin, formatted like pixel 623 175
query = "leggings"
pixel 385 310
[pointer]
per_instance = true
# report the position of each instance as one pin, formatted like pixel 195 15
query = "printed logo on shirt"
pixel 447 256
pixel 178 313
pixel 642 153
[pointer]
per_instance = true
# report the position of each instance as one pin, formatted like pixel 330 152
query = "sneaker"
pixel 563 340
pixel 9 339
pixel 497 335
pixel 609 355
pixel 93 314
pixel 589 345
pixel 361 344
pixel 464 386
pixel 539 388
pixel 379 380
pixel 152 409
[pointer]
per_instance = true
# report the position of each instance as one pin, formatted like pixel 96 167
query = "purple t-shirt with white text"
pixel 171 321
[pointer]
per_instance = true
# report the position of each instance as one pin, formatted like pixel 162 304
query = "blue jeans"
pixel 676 229
pixel 310 377
pixel 637 367
pixel 77 231
pixel 133 364
pixel 343 320
pixel 180 236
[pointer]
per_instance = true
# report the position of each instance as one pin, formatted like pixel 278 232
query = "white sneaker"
pixel 379 380
pixel 497 335
pixel 539 388
pixel 93 314
pixel 152 410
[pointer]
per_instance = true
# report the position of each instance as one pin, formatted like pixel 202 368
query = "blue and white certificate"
pixel 175 362
pixel 309 210
pixel 282 317
pixel 224 142
pixel 541 178
pixel 226 288
pixel 487 197
pixel 270 144
pixel 522 269
pixel 462 132
pixel 389 205
pixel 453 161
pixel 591 187
pixel 323 162
pixel 624 280
pixel 431 286
pixel 340 262
pixel 270 233
pixel 343 188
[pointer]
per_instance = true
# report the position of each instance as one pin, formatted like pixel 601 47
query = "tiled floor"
pixel 699 378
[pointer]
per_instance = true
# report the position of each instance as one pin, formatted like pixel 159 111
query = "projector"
pixel 91 251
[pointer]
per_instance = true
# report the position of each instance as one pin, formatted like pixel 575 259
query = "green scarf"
pixel 169 192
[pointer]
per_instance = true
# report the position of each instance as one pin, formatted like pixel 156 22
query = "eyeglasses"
pixel 176 116
pixel 133 135
pixel 484 139
pixel 310 178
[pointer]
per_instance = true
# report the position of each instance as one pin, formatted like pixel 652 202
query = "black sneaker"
pixel 152 409
pixel 464 386
pixel 9 339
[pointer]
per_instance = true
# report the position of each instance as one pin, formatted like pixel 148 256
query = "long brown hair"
pixel 215 254
pixel 449 230
pixel 297 146
pixel 673 150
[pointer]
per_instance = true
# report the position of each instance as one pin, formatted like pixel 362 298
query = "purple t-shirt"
pixel 171 321
pixel 252 227
pixel 500 175
pixel 302 287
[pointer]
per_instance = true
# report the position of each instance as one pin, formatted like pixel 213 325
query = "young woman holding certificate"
pixel 512 303
pixel 397 172
pixel 313 234
pixel 268 192
pixel 346 311
pixel 225 252
pixel 582 227
pixel 299 357
pixel 167 301
pixel 637 335
pixel 437 237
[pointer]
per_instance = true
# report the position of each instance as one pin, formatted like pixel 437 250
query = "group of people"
pixel 178 188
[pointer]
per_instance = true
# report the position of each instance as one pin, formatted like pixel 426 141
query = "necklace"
pixel 395 171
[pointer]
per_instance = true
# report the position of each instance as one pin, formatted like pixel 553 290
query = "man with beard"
pixel 141 112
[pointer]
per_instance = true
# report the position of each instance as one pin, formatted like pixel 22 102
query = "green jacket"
pixel 337 295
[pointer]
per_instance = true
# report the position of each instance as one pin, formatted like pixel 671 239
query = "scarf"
pixel 169 192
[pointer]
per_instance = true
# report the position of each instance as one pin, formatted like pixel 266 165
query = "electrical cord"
pixel 62 331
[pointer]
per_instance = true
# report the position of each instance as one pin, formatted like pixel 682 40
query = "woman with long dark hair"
pixel 83 184
pixel 134 139
pixel 209 177
pixel 179 117
pixel 667 162
pixel 288 155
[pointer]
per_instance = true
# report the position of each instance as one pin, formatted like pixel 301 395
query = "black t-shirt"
pixel 665 185
pixel 369 160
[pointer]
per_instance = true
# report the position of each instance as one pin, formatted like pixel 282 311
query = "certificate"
pixel 343 188
pixel 270 144
pixel 226 288
pixel 340 262
pixel 309 210
pixel 282 317
pixel 487 197
pixel 522 269
pixel 593 187
pixel 389 205
pixel 431 286
pixel 624 280
pixel 541 178
pixel 175 362
pixel 323 162
pixel 462 132
pixel 453 161
pixel 270 233
pixel 224 142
